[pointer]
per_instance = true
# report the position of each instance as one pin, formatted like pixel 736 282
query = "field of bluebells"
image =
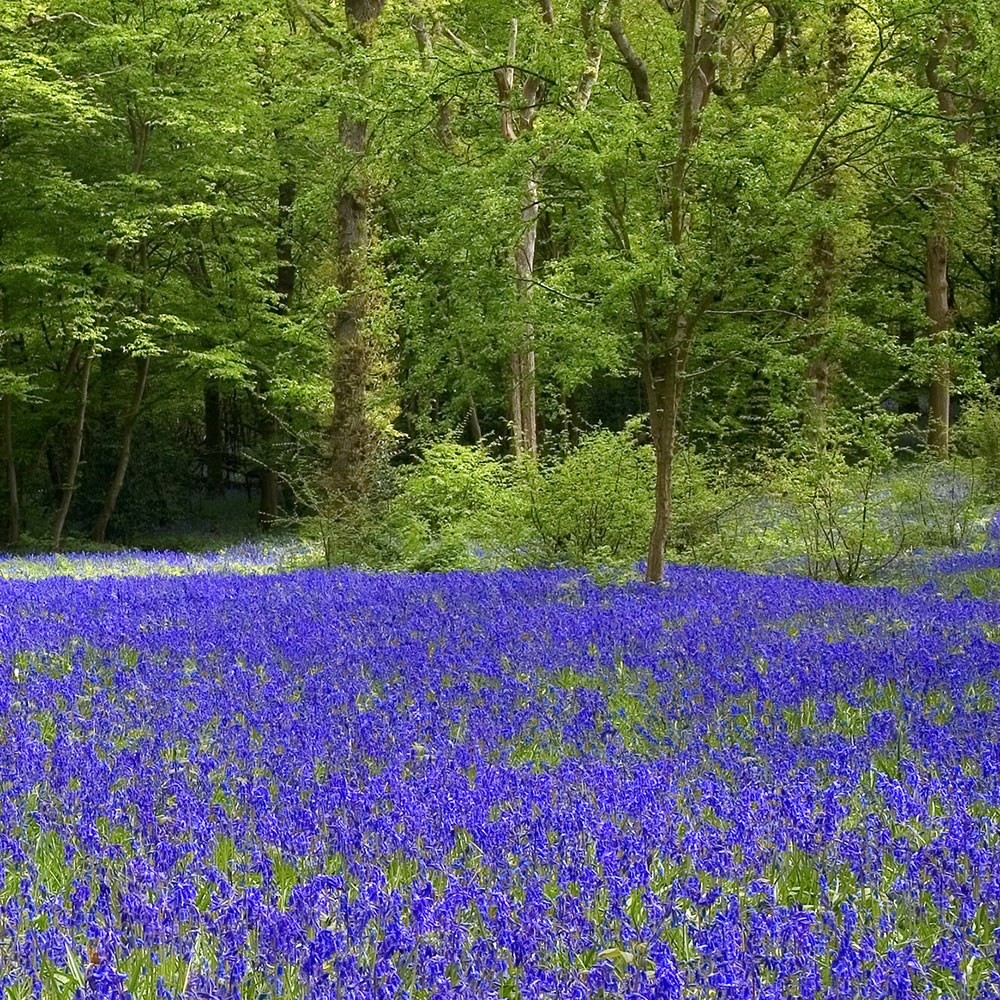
pixel 515 784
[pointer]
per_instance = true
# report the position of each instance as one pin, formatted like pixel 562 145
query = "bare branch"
pixel 458 41
pixel 36 19
pixel 633 62
pixel 590 18
pixel 321 25
pixel 424 42
pixel 504 76
pixel 840 112
pixel 582 299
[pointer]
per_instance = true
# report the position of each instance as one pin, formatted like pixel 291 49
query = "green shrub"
pixel 594 506
pixel 456 510
pixel 832 506
pixel 713 513
pixel 452 483
pixel 838 517
pixel 941 503
pixel 978 435
pixel 841 509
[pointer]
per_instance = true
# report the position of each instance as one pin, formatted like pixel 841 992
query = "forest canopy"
pixel 284 249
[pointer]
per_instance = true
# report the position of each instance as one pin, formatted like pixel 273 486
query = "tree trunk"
pixel 284 284
pixel 824 254
pixel 993 284
pixel 663 377
pixel 939 314
pixel 666 339
pixel 76 450
pixel 99 534
pixel 824 247
pixel 523 396
pixel 13 534
pixel 936 287
pixel 13 498
pixel 590 21
pixel 54 468
pixel 473 420
pixel 44 452
pixel 666 386
pixel 352 439
pixel 267 516
pixel 267 511
pixel 521 376
pixel 284 287
pixel 819 366
pixel 140 131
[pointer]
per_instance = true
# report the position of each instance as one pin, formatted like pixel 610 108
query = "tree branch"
pixel 840 112
pixel 34 20
pixel 633 62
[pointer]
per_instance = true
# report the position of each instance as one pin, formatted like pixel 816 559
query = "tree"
pixel 667 325
pixel 352 440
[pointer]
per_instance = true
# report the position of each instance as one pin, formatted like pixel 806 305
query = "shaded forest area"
pixel 274 249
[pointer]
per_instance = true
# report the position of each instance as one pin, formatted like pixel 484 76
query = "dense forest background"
pixel 460 277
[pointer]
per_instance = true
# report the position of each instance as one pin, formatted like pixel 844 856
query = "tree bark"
pixel 13 533
pixel 522 362
pixel 939 314
pixel 99 534
pixel 284 287
pixel 76 450
pixel 267 428
pixel 473 420
pixel 44 453
pixel 633 63
pixel 824 247
pixel 514 124
pixel 267 513
pixel 936 286
pixel 663 375
pixel 352 439
pixel 521 374
pixel 523 392
pixel 590 20
pixel 140 131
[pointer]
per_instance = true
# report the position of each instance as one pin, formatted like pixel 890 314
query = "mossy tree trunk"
pixel 352 437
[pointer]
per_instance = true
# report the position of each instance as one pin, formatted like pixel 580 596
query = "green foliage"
pixel 941 503
pixel 461 507
pixel 846 511
pixel 979 435
pixel 456 509
pixel 142 148
pixel 713 514
pixel 591 507
pixel 452 483
pixel 835 515
pixel 832 505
